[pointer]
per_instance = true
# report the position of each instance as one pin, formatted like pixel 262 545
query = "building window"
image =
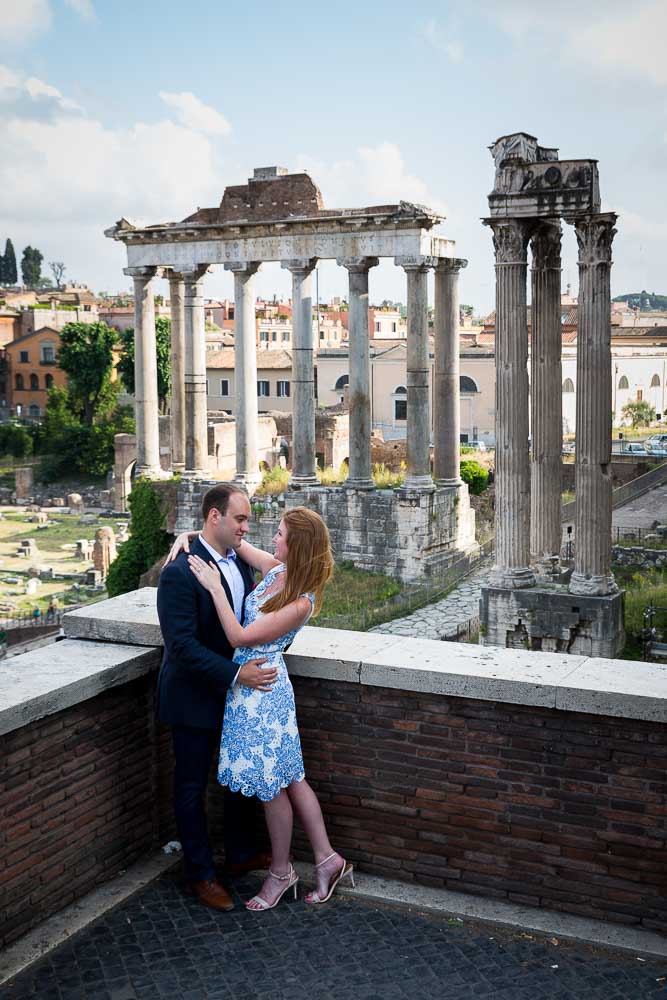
pixel 400 403
pixel 207 390
pixel 285 336
pixel 623 382
pixel 224 386
pixel 568 385
pixel 342 382
pixel 640 395
pixel 377 326
pixel 19 381
pixel 34 410
pixel 48 381
pixel 321 334
pixel 655 382
pixel 263 336
pixel 274 335
pixel 263 387
pixel 283 388
pixel 47 354
pixel 24 356
pixel 467 384
pixel 34 382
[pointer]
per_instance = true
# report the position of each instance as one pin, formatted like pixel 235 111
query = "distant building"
pixel 274 381
pixel 31 370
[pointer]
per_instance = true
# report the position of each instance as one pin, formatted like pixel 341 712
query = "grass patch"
pixel 642 587
pixel 352 590
pixel 64 531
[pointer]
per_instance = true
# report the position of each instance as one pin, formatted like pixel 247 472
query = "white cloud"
pixel 443 41
pixel 65 177
pixel 196 115
pixel 374 176
pixel 21 19
pixel 31 97
pixel 82 7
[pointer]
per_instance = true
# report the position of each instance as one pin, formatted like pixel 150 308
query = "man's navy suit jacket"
pixel 197 667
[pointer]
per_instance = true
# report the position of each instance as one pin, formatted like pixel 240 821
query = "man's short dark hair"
pixel 218 497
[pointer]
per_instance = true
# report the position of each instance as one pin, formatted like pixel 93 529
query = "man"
pixel 196 672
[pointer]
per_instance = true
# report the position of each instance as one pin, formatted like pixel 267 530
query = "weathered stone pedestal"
pixel 552 620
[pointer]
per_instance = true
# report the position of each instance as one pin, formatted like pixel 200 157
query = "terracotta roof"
pixel 265 359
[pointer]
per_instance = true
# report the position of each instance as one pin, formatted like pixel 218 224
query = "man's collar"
pixel 231 554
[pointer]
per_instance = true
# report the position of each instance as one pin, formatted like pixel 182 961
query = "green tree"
pixel 57 270
pixel 475 475
pixel 10 274
pixel 147 543
pixel 163 348
pixel 86 357
pixel 31 267
pixel 72 447
pixel 638 412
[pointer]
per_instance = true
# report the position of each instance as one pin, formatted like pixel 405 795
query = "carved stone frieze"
pixel 595 235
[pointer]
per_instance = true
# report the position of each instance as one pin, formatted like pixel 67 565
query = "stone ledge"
pixel 550 680
pixel 45 681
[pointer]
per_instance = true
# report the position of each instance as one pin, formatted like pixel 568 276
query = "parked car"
pixel 634 448
pixel 656 444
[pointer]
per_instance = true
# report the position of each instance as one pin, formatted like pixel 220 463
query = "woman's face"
pixel 280 542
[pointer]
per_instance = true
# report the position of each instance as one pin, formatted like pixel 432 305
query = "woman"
pixel 260 753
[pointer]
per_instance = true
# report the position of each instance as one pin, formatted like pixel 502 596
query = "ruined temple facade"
pixel 531 600
pixel 279 216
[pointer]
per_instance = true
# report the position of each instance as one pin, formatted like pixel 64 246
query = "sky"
pixel 113 108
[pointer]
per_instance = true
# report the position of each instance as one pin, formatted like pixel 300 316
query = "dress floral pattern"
pixel 260 752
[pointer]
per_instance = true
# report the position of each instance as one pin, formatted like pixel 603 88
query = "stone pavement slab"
pixel 162 944
pixel 443 618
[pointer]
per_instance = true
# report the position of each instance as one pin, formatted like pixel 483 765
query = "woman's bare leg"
pixel 279 821
pixel 308 810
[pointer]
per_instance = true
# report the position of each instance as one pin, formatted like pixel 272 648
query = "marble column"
pixel 446 375
pixel 418 430
pixel 145 373
pixel 177 304
pixel 546 401
pixel 245 376
pixel 592 573
pixel 303 375
pixel 512 474
pixel 360 477
pixel 196 417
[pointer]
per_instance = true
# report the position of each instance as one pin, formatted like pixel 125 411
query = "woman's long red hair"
pixel 309 559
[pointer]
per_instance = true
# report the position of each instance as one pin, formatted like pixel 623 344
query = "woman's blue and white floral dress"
pixel 260 752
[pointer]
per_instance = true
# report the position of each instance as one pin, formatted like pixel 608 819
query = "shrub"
pixel 273 482
pixel 147 543
pixel 385 479
pixel 16 440
pixel 475 475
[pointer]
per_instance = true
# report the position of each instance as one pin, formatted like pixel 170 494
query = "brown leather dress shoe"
pixel 260 861
pixel 212 894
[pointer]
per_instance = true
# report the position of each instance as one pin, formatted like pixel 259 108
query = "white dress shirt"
pixel 232 574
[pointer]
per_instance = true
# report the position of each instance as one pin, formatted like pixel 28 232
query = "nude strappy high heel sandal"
pixel 291 878
pixel 346 871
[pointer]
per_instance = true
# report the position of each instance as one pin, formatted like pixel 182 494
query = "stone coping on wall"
pixel 623 688
pixel 46 680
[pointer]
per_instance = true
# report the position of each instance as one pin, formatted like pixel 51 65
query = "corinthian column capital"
pixel 545 245
pixel 510 239
pixel 358 265
pixel 595 235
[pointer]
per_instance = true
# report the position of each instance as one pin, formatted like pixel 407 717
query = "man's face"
pixel 228 529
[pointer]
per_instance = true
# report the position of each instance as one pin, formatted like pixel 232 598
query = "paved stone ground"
pixel 642 512
pixel 439 620
pixel 160 944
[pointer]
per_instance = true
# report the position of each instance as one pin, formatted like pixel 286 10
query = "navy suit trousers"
pixel 194 751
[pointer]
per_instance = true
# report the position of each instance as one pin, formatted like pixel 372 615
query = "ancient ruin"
pixel 530 600
pixel 280 217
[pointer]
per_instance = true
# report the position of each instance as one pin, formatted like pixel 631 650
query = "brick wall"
pixel 83 794
pixel 541 807
pixel 536 806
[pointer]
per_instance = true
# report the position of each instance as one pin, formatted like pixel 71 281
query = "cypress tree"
pixel 9 271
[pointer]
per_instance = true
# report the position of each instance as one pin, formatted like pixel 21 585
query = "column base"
pixel 512 579
pixel 419 484
pixel 448 484
pixel 150 472
pixel 303 482
pixel 195 474
pixel 359 484
pixel 178 467
pixel 247 481
pixel 549 570
pixel 592 586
